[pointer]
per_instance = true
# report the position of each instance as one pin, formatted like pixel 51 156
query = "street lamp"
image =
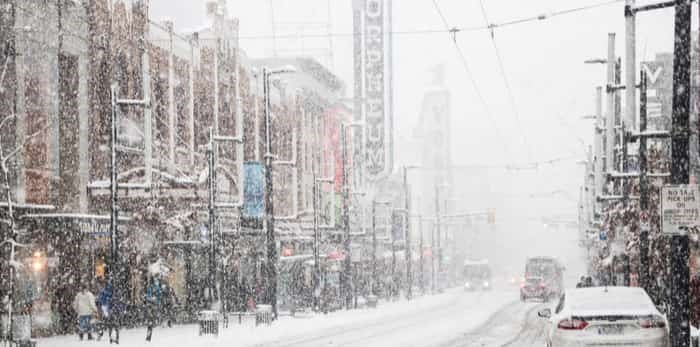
pixel 269 207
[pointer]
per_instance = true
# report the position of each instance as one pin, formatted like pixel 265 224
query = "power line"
pixel 471 77
pixel 502 70
pixel 453 30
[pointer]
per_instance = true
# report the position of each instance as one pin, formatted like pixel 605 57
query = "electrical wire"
pixel 488 27
pixel 509 90
pixel 475 85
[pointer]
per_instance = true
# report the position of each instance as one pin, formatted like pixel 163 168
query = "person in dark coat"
pixel 152 301
pixel 110 309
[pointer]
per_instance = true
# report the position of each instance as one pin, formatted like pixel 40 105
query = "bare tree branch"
pixel 2 122
pixel 24 142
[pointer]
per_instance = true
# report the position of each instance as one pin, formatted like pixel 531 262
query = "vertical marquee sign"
pixel 376 129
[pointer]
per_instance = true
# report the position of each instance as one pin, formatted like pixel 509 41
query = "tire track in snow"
pixel 354 334
pixel 515 318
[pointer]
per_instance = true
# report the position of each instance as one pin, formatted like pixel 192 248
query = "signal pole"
pixel 680 163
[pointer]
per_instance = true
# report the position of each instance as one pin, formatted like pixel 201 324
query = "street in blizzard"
pixel 351 173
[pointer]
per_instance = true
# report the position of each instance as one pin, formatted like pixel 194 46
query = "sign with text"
pixel 376 127
pixel 680 208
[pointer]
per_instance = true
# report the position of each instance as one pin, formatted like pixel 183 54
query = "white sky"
pixel 543 61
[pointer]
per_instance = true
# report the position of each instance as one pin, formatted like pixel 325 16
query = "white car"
pixel 605 316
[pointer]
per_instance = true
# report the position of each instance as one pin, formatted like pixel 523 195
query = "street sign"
pixel 680 208
pixel 602 235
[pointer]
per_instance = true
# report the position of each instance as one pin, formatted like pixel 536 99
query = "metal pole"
pixel 347 275
pixel 610 99
pixel 630 67
pixel 114 208
pixel 680 134
pixel 432 260
pixel 439 246
pixel 599 144
pixel 421 279
pixel 374 247
pixel 269 207
pixel 643 188
pixel 212 213
pixel 407 236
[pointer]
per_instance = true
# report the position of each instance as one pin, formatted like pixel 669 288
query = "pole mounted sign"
pixel 680 208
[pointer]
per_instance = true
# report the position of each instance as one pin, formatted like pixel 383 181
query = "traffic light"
pixel 492 217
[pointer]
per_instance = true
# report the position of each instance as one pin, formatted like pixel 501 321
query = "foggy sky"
pixel 543 61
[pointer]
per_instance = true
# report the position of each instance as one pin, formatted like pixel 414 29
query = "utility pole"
pixel 437 225
pixel 269 207
pixel 643 188
pixel 598 145
pixel 610 99
pixel 432 260
pixel 347 273
pixel 407 236
pixel 211 154
pixel 114 188
pixel 680 163
pixel 374 248
pixel 421 279
pixel 630 67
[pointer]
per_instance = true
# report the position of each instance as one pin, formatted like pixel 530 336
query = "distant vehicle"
pixel 550 270
pixel 534 287
pixel 477 275
pixel 600 316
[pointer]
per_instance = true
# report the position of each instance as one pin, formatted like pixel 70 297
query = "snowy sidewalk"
pixel 426 320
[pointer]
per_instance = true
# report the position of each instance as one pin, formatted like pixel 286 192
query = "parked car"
pixel 605 316
pixel 534 287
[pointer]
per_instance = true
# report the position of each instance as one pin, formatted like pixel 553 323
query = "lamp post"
pixel 269 207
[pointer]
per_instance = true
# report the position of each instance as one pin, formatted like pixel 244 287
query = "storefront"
pixel 64 252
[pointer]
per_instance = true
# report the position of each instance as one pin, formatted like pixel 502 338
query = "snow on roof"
pixel 608 300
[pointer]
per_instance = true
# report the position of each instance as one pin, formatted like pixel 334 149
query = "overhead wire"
pixel 456 29
pixel 474 84
pixel 509 90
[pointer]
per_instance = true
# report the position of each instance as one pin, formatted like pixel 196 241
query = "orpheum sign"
pixel 375 112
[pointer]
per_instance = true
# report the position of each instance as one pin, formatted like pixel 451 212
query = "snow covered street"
pixel 440 320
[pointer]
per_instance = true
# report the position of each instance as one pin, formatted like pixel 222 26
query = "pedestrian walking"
pixel 84 306
pixel 110 309
pixel 152 301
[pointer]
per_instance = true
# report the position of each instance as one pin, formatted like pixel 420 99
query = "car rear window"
pixel 600 300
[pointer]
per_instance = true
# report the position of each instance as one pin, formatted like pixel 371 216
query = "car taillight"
pixel 572 324
pixel 652 322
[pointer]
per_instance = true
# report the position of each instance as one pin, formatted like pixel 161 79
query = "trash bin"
pixel 372 301
pixel 263 315
pixel 208 323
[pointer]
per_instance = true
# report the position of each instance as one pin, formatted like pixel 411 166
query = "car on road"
pixel 605 316
pixel 477 275
pixel 549 269
pixel 534 287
